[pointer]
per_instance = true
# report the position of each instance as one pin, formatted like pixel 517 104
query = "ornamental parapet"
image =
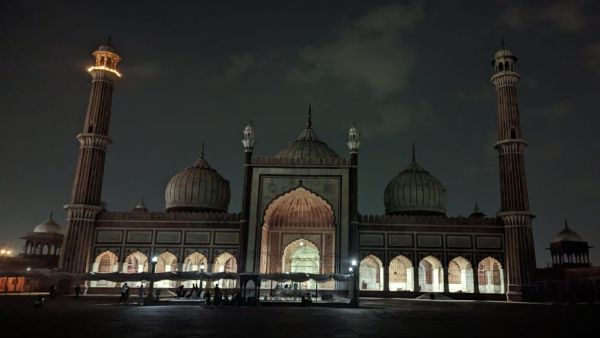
pixel 325 162
pixel 169 216
pixel 425 219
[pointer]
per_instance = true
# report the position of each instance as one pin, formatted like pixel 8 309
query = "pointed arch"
pixel 299 208
pixel 105 262
pixel 370 273
pixel 460 275
pixel 135 262
pixel 401 274
pixel 225 262
pixel 431 275
pixel 490 276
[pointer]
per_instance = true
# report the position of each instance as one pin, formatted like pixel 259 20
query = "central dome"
pixel 198 188
pixel 415 192
pixel 307 146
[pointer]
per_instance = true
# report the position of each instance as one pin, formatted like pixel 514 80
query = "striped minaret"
pixel 87 185
pixel 514 213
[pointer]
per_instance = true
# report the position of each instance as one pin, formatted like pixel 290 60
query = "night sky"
pixel 404 71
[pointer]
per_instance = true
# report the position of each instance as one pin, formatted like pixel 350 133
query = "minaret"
pixel 248 143
pixel 514 212
pixel 353 146
pixel 87 186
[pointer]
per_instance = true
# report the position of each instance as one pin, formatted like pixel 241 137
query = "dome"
pixel 415 192
pixel 307 146
pixel 567 235
pixel 198 188
pixel 48 225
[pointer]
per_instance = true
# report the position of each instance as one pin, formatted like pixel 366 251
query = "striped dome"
pixel 415 192
pixel 307 146
pixel 198 188
pixel 299 208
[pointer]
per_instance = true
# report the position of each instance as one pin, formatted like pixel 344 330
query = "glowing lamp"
pixel 154 259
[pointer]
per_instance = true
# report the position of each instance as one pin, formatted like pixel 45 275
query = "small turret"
pixel 353 139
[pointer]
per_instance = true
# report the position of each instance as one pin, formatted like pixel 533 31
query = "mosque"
pixel 299 213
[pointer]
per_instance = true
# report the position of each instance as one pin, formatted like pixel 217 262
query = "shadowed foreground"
pixel 103 317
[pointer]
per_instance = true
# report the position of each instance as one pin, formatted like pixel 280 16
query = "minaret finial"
pixel 51 213
pixel 109 41
pixel 502 42
pixel 566 224
pixel 414 157
pixel 309 120
pixel 203 150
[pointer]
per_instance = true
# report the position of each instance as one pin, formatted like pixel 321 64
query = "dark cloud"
pixel 566 15
pixel 367 54
pixel 592 57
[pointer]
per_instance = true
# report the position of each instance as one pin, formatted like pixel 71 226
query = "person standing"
pixel 124 289
pixel 141 294
pixel 77 291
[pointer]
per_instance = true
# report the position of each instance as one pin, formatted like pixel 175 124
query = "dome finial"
pixel 414 157
pixel 566 224
pixel 109 41
pixel 502 42
pixel 309 120
pixel 51 214
pixel 202 151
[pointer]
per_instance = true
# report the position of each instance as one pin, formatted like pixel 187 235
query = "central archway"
pixel 301 256
pixel 298 235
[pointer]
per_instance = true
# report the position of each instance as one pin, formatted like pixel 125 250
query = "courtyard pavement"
pixel 104 317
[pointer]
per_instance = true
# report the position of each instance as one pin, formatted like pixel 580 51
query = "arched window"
pixel 225 262
pixel 136 262
pixel 371 273
pixel 501 67
pixel 460 275
pixel 490 276
pixel 193 262
pixel 167 262
pixel 431 275
pixel 401 274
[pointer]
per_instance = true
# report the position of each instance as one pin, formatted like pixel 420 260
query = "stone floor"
pixel 103 317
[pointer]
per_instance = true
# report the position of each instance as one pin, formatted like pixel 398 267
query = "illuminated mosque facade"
pixel 299 212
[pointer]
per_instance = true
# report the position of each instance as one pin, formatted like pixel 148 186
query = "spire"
pixel 202 151
pixel 566 224
pixel 51 214
pixel 309 120
pixel 414 157
pixel 476 207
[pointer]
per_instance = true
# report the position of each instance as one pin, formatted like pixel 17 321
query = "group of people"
pixel 218 298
